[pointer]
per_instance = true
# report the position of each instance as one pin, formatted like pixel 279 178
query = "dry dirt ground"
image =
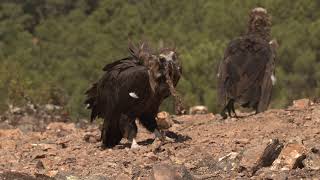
pixel 205 147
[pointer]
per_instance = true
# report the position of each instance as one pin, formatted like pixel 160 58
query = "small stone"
pixel 156 146
pixel 241 141
pixel 39 156
pixel 307 118
pixel 52 173
pixel 58 126
pixel 122 177
pixel 170 172
pixel 198 110
pixel 189 166
pixel 90 138
pixel 301 103
pixel 71 177
pixel 12 133
pixel 151 156
pixel 229 162
pixel 291 157
pixel 40 165
pixel 164 121
pixel 8 144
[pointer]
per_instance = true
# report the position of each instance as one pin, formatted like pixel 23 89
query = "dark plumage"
pixel 131 88
pixel 246 73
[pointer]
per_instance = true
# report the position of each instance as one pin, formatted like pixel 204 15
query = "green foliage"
pixel 51 51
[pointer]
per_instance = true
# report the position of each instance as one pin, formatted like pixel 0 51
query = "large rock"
pixel 291 157
pixel 312 160
pixel 170 172
pixel 260 156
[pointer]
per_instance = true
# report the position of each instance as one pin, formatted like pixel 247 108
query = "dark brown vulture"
pixel 246 73
pixel 132 88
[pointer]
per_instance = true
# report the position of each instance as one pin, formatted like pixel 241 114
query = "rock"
pixel 229 162
pixel 291 157
pixel 267 173
pixel 164 120
pixel 58 126
pixel 51 107
pixel 12 133
pixel 312 160
pixel 260 156
pixel 7 144
pixel 122 177
pixel 170 172
pixel 22 176
pixel 301 103
pixel 91 138
pixel 72 177
pixel 157 146
pixel 242 141
pixel 151 156
pixel 95 177
pixel 40 165
pixel 52 173
pixel 198 110
pixel 39 155
pixel 190 166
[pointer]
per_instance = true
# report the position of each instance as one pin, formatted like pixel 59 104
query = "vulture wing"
pixel 267 84
pixel 124 85
pixel 242 70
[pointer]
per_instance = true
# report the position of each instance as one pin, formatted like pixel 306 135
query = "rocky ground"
pixel 276 144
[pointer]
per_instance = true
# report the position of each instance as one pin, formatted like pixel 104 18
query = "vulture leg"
pixel 256 108
pixel 230 108
pixel 223 112
pixel 132 134
pixel 161 136
pixel 129 129
pixel 233 110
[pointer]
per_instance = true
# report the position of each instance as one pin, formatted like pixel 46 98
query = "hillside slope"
pixel 206 147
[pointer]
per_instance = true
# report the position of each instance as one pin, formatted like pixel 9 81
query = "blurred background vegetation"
pixel 50 51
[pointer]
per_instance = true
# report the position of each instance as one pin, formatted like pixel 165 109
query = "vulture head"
pixel 171 70
pixel 170 63
pixel 259 22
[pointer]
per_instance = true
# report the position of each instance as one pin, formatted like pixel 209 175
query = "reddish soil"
pixel 63 150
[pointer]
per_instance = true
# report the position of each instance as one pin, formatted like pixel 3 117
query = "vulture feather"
pixel 246 73
pixel 132 88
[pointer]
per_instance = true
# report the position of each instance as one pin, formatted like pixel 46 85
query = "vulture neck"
pixel 152 81
pixel 263 32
